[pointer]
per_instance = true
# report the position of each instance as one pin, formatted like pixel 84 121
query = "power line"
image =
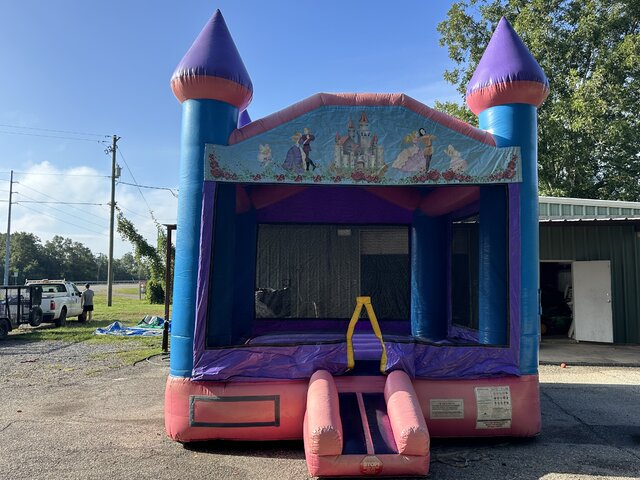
pixel 149 230
pixel 150 187
pixel 49 196
pixel 60 174
pixel 136 184
pixel 84 227
pixel 52 136
pixel 57 131
pixel 58 209
pixel 131 211
pixel 64 203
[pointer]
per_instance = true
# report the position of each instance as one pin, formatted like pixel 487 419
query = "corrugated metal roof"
pixel 590 220
pixel 553 209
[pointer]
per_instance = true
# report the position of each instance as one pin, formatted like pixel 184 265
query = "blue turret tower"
pixel 213 86
pixel 505 91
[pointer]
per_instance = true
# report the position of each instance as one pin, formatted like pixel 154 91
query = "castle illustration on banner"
pixel 358 149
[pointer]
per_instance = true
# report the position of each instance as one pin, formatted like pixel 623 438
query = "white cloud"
pixel 88 224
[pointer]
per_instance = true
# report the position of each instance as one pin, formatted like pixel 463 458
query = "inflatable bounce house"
pixel 357 270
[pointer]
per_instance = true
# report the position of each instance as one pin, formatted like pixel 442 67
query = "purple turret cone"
pixel 212 68
pixel 506 73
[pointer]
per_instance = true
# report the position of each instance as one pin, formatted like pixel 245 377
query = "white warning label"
pixel 446 408
pixel 494 407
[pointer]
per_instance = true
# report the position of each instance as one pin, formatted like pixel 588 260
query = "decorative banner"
pixel 388 145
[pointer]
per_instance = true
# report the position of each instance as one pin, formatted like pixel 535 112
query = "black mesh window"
pixel 317 271
pixel 465 271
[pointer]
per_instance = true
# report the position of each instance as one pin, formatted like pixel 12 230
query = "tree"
pixel 27 257
pixel 64 262
pixel 130 268
pixel 63 258
pixel 154 255
pixel 68 259
pixel 102 267
pixel 590 51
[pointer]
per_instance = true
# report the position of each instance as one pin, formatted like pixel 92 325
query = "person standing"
pixel 86 300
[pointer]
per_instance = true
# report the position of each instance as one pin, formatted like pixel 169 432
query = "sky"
pixel 76 72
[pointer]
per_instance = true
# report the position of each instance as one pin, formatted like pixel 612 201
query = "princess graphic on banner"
pixel 416 157
pixel 457 163
pixel 298 159
pixel 264 155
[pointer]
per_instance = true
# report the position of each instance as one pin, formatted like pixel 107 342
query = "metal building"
pixel 590 269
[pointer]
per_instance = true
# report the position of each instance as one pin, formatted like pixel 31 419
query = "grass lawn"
pixel 126 308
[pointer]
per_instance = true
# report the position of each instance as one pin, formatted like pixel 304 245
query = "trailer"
pixel 19 305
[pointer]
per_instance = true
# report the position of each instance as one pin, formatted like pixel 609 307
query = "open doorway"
pixel 556 298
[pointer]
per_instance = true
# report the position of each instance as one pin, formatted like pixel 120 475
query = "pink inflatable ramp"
pixel 363 431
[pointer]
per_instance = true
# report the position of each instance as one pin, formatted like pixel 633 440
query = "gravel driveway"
pixel 67 411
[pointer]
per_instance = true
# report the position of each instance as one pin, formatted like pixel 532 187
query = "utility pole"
pixel 167 289
pixel 7 250
pixel 112 150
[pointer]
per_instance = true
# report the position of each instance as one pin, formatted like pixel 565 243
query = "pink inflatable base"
pixel 490 407
pixel 368 465
pixel 199 411
pixel 395 441
pixel 274 410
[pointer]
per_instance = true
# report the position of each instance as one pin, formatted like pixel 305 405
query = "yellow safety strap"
pixel 366 302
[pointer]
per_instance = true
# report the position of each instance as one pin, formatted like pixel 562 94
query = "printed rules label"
pixel 446 408
pixel 493 407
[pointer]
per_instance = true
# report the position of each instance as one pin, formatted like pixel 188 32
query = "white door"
pixel 592 301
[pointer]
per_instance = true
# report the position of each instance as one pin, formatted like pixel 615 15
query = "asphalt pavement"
pixel 64 415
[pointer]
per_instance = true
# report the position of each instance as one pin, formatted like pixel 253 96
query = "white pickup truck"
pixel 60 300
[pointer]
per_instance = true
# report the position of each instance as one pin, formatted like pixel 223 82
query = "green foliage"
pixel 128 231
pixel 69 259
pixel 458 110
pixel 154 291
pixel 155 256
pixel 27 257
pixel 590 51
pixel 62 258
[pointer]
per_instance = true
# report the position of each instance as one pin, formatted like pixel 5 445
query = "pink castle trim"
pixel 212 88
pixel 523 91
pixel 358 100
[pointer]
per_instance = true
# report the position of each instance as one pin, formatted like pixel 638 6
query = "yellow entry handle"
pixel 366 302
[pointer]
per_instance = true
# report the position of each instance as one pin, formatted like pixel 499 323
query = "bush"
pixel 155 292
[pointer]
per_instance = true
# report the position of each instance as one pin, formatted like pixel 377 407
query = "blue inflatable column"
pixel 428 271
pixel 492 298
pixel 504 91
pixel 203 121
pixel 213 86
pixel 516 125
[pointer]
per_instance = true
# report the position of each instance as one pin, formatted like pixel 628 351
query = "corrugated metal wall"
pixel 617 243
